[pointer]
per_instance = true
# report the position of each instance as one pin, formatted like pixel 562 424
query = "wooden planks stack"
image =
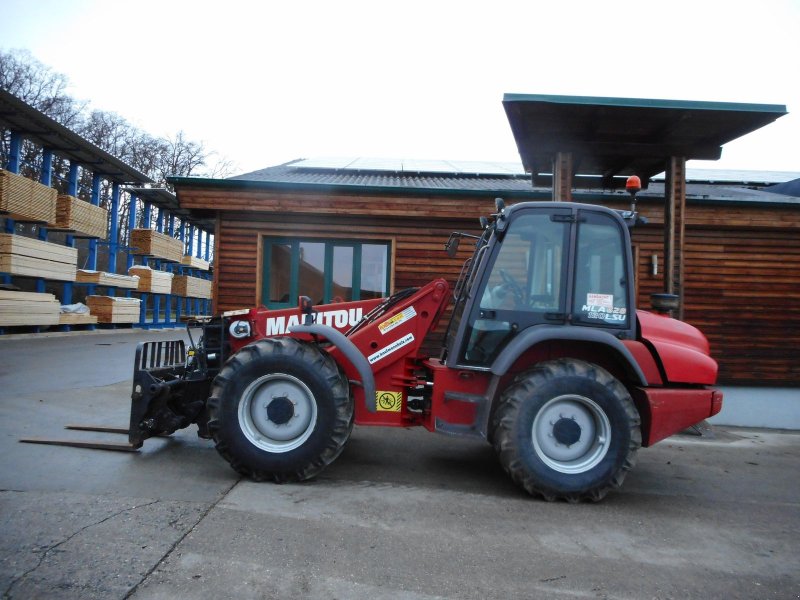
pixel 77 319
pixel 27 200
pixel 28 257
pixel 82 217
pixel 130 282
pixel 195 263
pixel 152 243
pixel 152 281
pixel 191 287
pixel 108 309
pixel 28 308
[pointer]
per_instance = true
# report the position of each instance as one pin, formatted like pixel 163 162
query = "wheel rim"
pixel 277 412
pixel 571 434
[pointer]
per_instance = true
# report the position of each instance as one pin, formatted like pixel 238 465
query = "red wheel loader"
pixel 544 356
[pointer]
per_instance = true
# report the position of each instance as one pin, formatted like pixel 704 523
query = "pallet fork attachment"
pixel 158 382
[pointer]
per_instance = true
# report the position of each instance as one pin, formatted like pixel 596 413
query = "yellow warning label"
pixel 389 401
pixel 397 320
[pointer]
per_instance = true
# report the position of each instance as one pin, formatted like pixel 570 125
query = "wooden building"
pixel 356 229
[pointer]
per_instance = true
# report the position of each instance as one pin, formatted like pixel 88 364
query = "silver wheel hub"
pixel 571 434
pixel 277 412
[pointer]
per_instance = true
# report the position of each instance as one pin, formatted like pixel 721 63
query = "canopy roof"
pixel 34 125
pixel 611 137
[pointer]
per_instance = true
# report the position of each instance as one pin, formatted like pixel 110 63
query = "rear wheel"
pixel 567 429
pixel 280 410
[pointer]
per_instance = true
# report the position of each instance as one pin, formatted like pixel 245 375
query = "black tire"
pixel 568 430
pixel 280 410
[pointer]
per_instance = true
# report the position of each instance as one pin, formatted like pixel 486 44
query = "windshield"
pixel 464 285
pixel 524 286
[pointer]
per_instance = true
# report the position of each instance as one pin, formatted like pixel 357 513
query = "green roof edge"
pixel 648 103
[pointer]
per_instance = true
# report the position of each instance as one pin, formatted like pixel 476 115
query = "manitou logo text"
pixel 338 319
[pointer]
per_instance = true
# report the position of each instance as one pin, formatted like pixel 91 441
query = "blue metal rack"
pixel 54 140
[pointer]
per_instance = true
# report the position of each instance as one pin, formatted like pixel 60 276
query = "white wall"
pixel 774 408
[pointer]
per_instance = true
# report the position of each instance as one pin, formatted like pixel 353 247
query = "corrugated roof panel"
pixel 413 165
pixel 741 176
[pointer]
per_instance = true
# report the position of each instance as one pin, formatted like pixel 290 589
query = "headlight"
pixel 240 329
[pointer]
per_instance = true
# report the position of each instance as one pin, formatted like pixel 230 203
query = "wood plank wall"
pixel 742 263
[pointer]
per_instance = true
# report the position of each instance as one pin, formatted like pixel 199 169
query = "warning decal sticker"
pixel 397 320
pixel 389 401
pixel 393 347
pixel 603 300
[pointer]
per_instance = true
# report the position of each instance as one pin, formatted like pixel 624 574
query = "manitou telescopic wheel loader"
pixel 544 357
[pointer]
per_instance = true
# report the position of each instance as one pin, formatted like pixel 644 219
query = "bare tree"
pixel 157 158
pixel 38 85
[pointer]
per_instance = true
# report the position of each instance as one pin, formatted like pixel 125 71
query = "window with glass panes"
pixel 324 270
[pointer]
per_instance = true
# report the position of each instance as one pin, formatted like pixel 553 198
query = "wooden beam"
pixel 562 177
pixel 674 229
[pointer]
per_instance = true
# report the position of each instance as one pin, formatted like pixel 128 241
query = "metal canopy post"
pixel 148 215
pixel 72 190
pixel 147 218
pixel 46 178
pixel 95 199
pixel 132 207
pixel 674 229
pixel 170 268
pixel 113 236
pixel 14 152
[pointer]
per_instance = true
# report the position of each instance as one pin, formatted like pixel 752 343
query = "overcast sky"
pixel 262 83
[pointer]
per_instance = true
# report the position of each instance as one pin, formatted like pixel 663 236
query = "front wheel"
pixel 280 409
pixel 567 429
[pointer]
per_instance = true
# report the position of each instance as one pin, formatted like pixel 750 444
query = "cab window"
pixel 525 285
pixel 601 296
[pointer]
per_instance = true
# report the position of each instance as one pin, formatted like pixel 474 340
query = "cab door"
pixel 523 284
pixel 602 288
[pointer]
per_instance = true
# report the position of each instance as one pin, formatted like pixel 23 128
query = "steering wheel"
pixel 513 285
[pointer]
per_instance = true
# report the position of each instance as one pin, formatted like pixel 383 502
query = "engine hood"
pixel 682 349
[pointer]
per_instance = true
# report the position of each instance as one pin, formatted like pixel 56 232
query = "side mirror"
pixel 665 303
pixel 451 247
pixel 306 307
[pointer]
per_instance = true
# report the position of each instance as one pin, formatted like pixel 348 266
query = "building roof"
pixel 299 176
pixel 17 115
pixel 611 137
pixel 736 176
pixel 306 172
pixel 788 188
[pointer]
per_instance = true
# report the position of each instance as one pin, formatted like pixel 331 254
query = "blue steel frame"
pixel 201 306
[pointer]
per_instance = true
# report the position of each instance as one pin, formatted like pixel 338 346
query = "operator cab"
pixel 543 264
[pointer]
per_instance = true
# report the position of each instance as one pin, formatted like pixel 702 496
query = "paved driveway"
pixel 401 514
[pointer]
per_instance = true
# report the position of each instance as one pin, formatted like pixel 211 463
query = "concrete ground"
pixel 401 514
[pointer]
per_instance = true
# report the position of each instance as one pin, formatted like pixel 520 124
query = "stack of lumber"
pixel 152 243
pixel 28 257
pixel 27 200
pixel 130 282
pixel 108 309
pixel 195 263
pixel 82 217
pixel 77 319
pixel 191 287
pixel 152 281
pixel 28 308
